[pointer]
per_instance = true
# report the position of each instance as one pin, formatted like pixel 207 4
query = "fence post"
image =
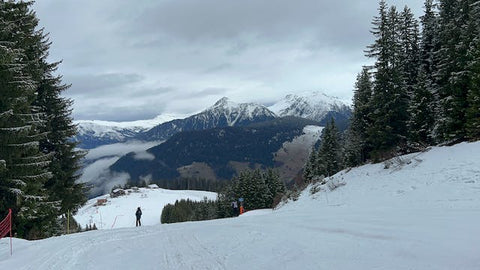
pixel 68 221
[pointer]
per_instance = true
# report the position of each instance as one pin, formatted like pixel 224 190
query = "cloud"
pixel 97 173
pixel 130 60
pixel 144 155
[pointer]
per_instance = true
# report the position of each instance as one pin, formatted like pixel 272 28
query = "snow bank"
pixel 119 212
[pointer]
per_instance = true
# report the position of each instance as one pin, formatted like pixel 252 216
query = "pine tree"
pixel 473 95
pixel 329 153
pixel 60 129
pixel 309 169
pixel 409 49
pixel 25 167
pixel 274 185
pixel 53 122
pixel 422 104
pixel 356 145
pixel 452 76
pixel 389 101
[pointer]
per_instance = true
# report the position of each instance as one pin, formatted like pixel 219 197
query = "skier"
pixel 139 215
pixel 235 208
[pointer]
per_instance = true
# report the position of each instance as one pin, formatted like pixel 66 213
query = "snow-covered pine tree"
pixel 57 123
pixel 329 153
pixel 309 170
pixel 356 145
pixel 60 129
pixel 473 95
pixel 409 48
pixel 422 103
pixel 262 195
pixel 389 101
pixel 274 185
pixel 452 75
pixel 25 167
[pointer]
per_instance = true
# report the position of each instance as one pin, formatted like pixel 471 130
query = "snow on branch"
pixel 28 144
pixel 41 176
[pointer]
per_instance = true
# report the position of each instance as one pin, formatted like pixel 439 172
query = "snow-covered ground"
pixel 119 212
pixel 421 211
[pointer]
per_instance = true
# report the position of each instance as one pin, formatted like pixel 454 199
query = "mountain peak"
pixel 313 105
pixel 224 102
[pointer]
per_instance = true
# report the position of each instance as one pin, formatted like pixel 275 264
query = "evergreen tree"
pixel 274 185
pixel 329 153
pixel 24 166
pixel 356 145
pixel 389 101
pixel 452 75
pixel 473 95
pixel 422 104
pixel 54 126
pixel 309 169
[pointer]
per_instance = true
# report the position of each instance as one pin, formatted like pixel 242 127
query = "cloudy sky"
pixel 131 60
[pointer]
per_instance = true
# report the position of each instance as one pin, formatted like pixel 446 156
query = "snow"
pixel 119 212
pixel 312 105
pixel 235 112
pixel 121 130
pixel 420 211
pixel 145 124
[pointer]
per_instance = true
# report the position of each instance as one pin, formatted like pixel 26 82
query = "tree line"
pixel 422 90
pixel 38 161
pixel 259 189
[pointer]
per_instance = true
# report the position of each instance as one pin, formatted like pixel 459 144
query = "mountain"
pixel 315 106
pixel 220 153
pixel 94 133
pixel 224 113
pixel 420 212
pixel 310 105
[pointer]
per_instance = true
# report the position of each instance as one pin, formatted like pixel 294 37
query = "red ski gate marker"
pixel 6 227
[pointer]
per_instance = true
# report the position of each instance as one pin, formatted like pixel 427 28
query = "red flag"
pixel 6 224
pixel 6 227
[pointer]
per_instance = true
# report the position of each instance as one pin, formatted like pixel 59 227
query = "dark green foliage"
pixel 356 143
pixel 389 99
pixel 187 210
pixel 34 129
pixel 422 105
pixel 453 78
pixel 259 189
pixel 425 87
pixel 254 145
pixel 328 159
pixel 473 95
pixel 25 171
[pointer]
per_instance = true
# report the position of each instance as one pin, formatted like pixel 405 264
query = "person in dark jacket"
pixel 139 215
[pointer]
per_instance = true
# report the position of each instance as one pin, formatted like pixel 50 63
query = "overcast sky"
pixel 131 60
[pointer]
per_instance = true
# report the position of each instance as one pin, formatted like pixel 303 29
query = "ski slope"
pixel 420 211
pixel 119 212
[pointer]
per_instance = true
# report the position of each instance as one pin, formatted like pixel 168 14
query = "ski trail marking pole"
pixel 68 221
pixel 10 215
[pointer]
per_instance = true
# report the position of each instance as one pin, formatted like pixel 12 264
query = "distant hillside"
pixel 218 153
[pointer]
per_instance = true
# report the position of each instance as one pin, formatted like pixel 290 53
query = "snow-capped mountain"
pixel 94 133
pixel 310 105
pixel 223 113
